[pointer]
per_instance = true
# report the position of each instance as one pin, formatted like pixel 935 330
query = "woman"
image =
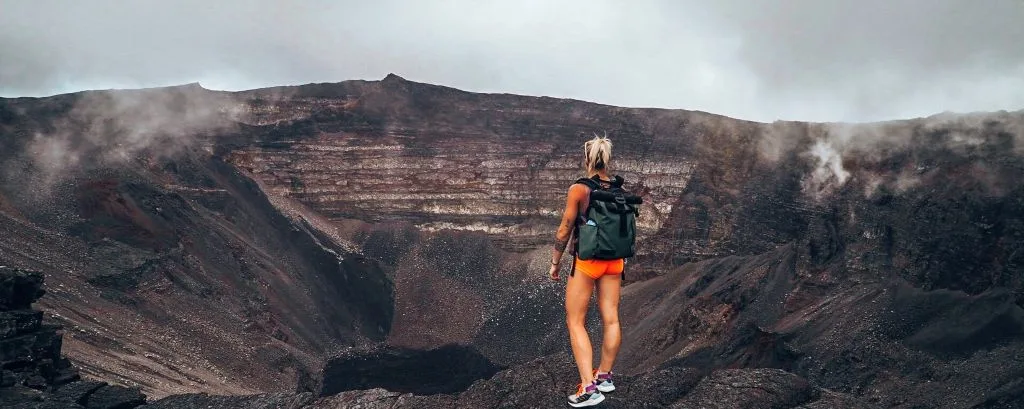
pixel 606 275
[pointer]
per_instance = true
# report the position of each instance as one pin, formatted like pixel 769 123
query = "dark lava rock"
pixel 448 369
pixel 20 397
pixel 541 383
pixel 382 399
pixel 952 323
pixel 262 401
pixel 29 347
pixel 833 400
pixel 13 323
pixel 29 351
pixel 7 378
pixel 115 397
pixel 35 381
pixel 78 391
pixel 19 288
pixel 750 389
pixel 1010 396
pixel 659 388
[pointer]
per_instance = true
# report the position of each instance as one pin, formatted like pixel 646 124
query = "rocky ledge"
pixel 35 375
pixel 543 383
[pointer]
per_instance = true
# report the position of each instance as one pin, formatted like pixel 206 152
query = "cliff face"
pixel 444 159
pixel 169 269
pixel 295 221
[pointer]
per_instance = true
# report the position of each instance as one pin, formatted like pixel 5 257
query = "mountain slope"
pixel 841 253
pixel 175 272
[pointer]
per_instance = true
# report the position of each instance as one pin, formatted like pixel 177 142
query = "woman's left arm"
pixel 564 232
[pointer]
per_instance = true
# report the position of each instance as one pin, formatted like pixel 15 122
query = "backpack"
pixel 607 229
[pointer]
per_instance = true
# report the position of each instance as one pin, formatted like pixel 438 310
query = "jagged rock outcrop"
pixel 29 349
pixel 35 373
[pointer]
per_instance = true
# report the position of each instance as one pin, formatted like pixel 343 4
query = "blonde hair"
pixel 598 153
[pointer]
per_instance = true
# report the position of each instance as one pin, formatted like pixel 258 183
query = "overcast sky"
pixel 820 60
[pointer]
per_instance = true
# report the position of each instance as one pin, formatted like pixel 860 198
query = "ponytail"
pixel 598 153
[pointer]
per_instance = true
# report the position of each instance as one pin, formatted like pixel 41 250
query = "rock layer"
pixel 882 261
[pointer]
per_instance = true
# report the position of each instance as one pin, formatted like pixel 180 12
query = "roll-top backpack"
pixel 607 229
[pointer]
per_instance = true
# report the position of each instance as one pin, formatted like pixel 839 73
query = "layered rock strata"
pixel 839 253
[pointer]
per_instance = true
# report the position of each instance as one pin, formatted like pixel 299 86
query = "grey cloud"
pixel 115 128
pixel 885 57
pixel 804 59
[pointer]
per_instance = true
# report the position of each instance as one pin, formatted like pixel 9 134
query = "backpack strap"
pixel 576 229
pixel 594 183
pixel 618 181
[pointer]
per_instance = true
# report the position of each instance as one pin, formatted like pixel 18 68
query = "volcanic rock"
pixel 114 397
pixel 762 388
pixel 240 239
pixel 78 391
pixel 406 371
pixel 260 401
pixel 18 290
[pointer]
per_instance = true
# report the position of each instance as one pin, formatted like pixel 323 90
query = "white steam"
pixel 828 173
pixel 840 153
pixel 105 129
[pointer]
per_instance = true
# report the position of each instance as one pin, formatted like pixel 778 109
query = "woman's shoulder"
pixel 578 190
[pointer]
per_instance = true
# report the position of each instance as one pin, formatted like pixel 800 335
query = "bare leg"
pixel 577 299
pixel 608 290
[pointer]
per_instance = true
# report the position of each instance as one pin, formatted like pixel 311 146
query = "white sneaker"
pixel 604 381
pixel 584 397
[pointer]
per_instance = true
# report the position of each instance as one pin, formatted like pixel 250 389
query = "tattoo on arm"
pixel 560 244
pixel 568 219
pixel 563 234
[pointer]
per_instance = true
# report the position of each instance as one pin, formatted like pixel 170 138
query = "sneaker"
pixel 603 380
pixel 588 396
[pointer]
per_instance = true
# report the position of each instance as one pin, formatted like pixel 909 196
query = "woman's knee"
pixel 609 316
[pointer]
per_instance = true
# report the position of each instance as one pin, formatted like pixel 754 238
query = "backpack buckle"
pixel 620 198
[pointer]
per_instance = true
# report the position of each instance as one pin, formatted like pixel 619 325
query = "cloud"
pixel 110 129
pixel 798 60
pixel 885 58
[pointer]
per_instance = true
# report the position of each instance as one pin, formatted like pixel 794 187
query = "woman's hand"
pixel 553 273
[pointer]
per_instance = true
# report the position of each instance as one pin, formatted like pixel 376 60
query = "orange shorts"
pixel 597 268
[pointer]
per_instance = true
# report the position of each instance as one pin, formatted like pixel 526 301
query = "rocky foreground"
pixel 35 375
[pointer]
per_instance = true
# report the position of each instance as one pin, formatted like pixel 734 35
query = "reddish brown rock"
pixel 228 246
